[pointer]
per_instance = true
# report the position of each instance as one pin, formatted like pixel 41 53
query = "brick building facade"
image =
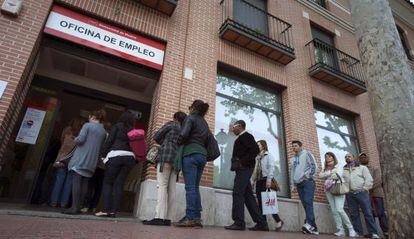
pixel 201 47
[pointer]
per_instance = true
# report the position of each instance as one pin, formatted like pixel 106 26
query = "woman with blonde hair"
pixel 336 202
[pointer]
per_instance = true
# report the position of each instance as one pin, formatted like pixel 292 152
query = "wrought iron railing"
pixel 324 55
pixel 257 22
pixel 321 3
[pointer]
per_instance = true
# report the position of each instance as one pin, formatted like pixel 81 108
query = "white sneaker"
pixel 353 233
pixel 314 231
pixel 340 233
pixel 306 228
pixel 375 236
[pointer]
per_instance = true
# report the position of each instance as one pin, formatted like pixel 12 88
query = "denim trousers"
pixel 193 167
pixel 361 200
pixel 336 202
pixel 306 191
pixel 379 209
pixel 62 188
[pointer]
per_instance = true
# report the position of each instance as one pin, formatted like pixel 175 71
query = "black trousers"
pixel 117 169
pixel 94 189
pixel 243 195
pixel 79 189
pixel 261 187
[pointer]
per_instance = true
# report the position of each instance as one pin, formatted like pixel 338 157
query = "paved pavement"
pixel 17 226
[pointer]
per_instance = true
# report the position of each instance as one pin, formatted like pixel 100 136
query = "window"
pixel 321 3
pixel 404 42
pixel 335 134
pixel 324 48
pixel 261 110
pixel 252 14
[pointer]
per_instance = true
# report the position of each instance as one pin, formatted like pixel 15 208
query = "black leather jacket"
pixel 116 140
pixel 194 130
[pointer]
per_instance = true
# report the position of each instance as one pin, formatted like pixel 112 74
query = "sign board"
pixel 3 85
pixel 87 31
pixel 31 125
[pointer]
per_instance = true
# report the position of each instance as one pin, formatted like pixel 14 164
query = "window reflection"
pixel 255 106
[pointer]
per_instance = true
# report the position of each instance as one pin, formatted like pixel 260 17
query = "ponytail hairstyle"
pixel 200 107
pixel 99 115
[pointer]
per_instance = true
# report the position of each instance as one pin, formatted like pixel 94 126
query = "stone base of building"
pixel 217 204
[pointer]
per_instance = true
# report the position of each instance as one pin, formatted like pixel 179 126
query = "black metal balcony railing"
pixel 335 67
pixel 254 28
pixel 321 3
pixel 164 6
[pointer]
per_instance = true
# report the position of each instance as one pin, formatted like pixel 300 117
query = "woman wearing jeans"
pixel 262 175
pixel 63 183
pixel 336 202
pixel 193 137
pixel 119 161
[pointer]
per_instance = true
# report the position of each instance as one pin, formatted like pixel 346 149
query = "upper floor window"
pixel 252 14
pixel 321 3
pixel 324 47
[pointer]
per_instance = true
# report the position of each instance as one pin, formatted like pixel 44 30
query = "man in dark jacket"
pixel 245 151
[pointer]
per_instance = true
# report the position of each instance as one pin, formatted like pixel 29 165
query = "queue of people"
pixel 184 144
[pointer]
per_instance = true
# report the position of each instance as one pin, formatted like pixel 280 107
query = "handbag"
pixel 339 187
pixel 274 185
pixel 153 154
pixel 213 150
pixel 269 202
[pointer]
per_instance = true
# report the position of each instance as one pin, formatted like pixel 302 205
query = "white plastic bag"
pixel 269 202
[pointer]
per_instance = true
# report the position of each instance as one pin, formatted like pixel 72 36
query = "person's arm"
pixel 270 166
pixel 109 141
pixel 185 130
pixel 82 135
pixel 368 182
pixel 313 166
pixel 253 177
pixel 160 134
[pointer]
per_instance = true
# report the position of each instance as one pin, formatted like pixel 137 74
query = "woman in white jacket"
pixel 336 202
pixel 263 174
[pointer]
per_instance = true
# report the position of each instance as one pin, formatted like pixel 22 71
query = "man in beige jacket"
pixel 360 182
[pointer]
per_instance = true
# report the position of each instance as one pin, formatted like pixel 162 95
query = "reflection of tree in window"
pixel 247 93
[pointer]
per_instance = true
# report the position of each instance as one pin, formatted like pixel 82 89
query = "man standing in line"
pixel 376 193
pixel 303 170
pixel 243 161
pixel 360 182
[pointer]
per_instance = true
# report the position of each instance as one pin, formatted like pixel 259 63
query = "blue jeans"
pixel 62 188
pixel 306 190
pixel 361 200
pixel 193 167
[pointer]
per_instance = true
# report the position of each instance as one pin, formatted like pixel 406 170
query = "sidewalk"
pixel 15 226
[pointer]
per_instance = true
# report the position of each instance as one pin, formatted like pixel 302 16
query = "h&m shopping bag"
pixel 269 202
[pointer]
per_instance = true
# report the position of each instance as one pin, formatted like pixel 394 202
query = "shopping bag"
pixel 269 202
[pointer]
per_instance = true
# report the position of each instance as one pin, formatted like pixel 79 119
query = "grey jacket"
pixel 358 177
pixel 264 167
pixel 88 148
pixel 304 167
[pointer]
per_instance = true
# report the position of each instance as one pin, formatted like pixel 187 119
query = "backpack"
pixel 153 154
pixel 138 144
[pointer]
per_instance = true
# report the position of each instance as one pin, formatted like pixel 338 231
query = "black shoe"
pixel 259 227
pixel 155 222
pixel 235 227
pixel 167 222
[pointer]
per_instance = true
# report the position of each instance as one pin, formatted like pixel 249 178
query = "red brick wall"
pixel 192 40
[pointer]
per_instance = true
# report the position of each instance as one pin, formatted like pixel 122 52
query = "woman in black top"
pixel 119 160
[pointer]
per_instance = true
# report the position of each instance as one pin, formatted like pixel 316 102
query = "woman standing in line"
pixel 336 202
pixel 84 160
pixel 63 184
pixel 193 153
pixel 263 174
pixel 119 160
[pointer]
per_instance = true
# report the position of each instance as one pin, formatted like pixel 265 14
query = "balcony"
pixel 335 67
pixel 255 29
pixel 164 6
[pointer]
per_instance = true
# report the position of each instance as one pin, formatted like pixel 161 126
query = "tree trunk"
pixel 390 83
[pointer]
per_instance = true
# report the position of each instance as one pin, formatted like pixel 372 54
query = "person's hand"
pixel 293 189
pixel 268 185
